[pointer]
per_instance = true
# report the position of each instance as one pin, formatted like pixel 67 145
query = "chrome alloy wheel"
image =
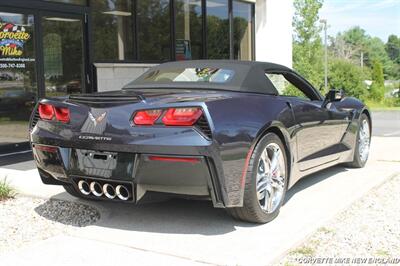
pixel 270 178
pixel 363 140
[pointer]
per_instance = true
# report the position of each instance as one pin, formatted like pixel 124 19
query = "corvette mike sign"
pixel 13 39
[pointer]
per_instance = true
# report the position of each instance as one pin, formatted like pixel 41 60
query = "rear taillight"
pixel 48 112
pixel 46 148
pixel 62 114
pixel 146 117
pixel 182 116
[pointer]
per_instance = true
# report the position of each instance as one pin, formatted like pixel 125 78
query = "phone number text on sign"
pixel 12 65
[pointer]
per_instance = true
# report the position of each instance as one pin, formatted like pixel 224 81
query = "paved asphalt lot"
pixel 386 124
pixel 180 232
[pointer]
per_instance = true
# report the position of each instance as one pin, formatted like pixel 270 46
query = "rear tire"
pixel 363 141
pixel 265 171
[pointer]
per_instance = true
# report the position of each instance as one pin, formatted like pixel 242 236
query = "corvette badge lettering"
pixel 99 138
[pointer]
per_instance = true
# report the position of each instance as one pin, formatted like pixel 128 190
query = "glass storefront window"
pixel 154 36
pixel 121 35
pixel 17 76
pixel 188 29
pixel 217 29
pixel 112 23
pixel 63 55
pixel 74 2
pixel 242 30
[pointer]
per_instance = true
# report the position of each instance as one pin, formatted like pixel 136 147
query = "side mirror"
pixel 333 96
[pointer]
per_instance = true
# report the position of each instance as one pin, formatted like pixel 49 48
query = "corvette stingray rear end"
pixel 217 130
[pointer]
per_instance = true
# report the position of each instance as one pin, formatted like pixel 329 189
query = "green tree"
pixel 356 36
pixel 352 43
pixel 375 51
pixel 343 74
pixel 307 45
pixel 377 87
pixel 393 48
pixel 349 44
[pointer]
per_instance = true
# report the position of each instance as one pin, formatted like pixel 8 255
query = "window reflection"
pixel 17 76
pixel 217 29
pixel 63 55
pixel 74 2
pixel 154 37
pixel 112 22
pixel 242 30
pixel 188 30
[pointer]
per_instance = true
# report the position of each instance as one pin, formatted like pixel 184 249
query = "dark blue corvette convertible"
pixel 237 133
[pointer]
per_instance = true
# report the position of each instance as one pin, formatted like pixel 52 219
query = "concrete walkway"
pixel 190 232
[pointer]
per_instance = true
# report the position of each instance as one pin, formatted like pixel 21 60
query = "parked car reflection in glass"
pixel 17 103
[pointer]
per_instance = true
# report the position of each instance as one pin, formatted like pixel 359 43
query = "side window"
pixel 284 87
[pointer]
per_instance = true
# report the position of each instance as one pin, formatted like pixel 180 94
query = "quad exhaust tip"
pixel 84 187
pixel 120 191
pixel 96 189
pixel 109 191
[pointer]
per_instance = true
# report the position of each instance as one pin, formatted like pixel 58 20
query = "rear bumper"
pixel 184 174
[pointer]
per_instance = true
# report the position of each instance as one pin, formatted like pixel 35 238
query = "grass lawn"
pixel 381 106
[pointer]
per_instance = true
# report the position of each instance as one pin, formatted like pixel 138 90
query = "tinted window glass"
pixel 63 55
pixel 211 75
pixel 242 31
pixel 154 30
pixel 217 29
pixel 188 29
pixel 284 87
pixel 112 29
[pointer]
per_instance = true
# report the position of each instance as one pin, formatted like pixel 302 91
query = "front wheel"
pixel 266 182
pixel 363 141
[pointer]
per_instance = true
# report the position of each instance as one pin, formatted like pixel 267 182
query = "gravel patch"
pixel 25 220
pixel 370 229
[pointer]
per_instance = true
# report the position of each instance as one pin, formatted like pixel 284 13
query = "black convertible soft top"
pixel 249 76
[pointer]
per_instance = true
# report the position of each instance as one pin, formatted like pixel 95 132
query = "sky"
pixel 379 18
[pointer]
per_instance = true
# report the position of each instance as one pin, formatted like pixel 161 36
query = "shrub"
pixel 6 191
pixel 346 76
pixel 377 87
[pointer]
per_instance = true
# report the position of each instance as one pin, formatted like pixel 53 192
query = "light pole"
pixel 324 22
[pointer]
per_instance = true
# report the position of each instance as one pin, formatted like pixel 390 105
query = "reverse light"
pixel 46 111
pixel 146 117
pixel 185 116
pixel 62 114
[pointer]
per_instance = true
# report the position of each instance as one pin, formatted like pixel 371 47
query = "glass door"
pixel 18 82
pixel 63 54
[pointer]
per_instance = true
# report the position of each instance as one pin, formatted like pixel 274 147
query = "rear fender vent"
pixel 35 118
pixel 203 125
